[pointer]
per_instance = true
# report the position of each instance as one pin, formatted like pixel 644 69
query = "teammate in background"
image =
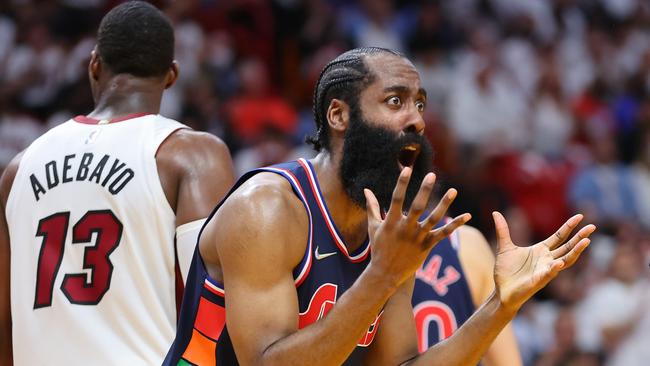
pixel 92 209
pixel 283 274
pixel 454 280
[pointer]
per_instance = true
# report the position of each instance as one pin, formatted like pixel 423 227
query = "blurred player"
pixel 283 273
pixel 93 209
pixel 454 280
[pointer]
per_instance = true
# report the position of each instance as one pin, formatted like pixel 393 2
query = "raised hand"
pixel 519 272
pixel 401 242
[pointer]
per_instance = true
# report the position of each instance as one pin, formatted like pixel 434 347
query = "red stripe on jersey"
pixel 213 288
pixel 210 319
pixel 330 225
pixel 94 121
pixel 303 274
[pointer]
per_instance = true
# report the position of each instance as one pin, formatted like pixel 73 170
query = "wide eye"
pixel 394 101
pixel 420 105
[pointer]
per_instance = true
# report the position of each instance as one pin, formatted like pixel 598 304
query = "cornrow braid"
pixel 342 78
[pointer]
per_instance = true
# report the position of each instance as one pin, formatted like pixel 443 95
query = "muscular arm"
pixel 396 340
pixel 6 351
pixel 519 272
pixel 195 171
pixel 262 235
pixel 478 263
pixel 477 260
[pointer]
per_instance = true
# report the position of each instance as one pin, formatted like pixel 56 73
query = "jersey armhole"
pixel 301 271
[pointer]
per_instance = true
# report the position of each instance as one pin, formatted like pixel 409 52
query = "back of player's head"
pixel 136 38
pixel 343 78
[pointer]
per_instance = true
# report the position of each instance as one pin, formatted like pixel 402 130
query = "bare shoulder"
pixel 7 178
pixel 187 145
pixel 195 172
pixel 262 216
pixel 477 260
pixel 473 244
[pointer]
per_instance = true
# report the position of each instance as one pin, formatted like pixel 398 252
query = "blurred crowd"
pixel 537 108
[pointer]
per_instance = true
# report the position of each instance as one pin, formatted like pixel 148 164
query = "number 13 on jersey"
pixel 77 287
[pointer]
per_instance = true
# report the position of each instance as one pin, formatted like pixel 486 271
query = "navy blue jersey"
pixel 326 271
pixel 441 298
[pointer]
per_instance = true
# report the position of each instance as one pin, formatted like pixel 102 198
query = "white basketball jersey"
pixel 92 246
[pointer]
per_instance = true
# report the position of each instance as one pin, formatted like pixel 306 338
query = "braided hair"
pixel 342 78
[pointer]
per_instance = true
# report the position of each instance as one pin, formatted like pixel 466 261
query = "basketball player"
pixel 454 280
pixel 283 274
pixel 91 211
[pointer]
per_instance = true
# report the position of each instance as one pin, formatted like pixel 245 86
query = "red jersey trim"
pixel 307 266
pixel 215 289
pixel 328 221
pixel 94 121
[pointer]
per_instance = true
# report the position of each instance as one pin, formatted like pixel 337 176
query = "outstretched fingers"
pixel 566 247
pixel 571 257
pixel 438 234
pixel 421 199
pixel 502 232
pixel 397 201
pixel 439 211
pixel 372 207
pixel 563 233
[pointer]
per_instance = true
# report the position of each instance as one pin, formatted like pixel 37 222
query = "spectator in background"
pixel 486 106
pixel 564 350
pixel 256 107
pixel 641 174
pixel 377 23
pixel 603 190
pixel 552 123
pixel 615 316
pixel 17 130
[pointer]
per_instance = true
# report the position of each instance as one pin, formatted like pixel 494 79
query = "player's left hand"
pixel 519 272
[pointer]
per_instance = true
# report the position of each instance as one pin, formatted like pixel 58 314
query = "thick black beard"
pixel 370 161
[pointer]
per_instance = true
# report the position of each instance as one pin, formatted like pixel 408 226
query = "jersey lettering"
pixel 430 272
pixel 117 176
pixel 322 302
pixel 53 229
pixel 433 311
pixel 79 288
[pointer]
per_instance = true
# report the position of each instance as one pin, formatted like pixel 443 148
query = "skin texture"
pixel 248 247
pixel 477 260
pixel 195 168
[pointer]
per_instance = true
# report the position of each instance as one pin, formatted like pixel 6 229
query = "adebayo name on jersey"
pixel 114 176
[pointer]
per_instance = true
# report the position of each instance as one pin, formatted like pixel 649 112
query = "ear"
pixel 172 75
pixel 94 65
pixel 338 115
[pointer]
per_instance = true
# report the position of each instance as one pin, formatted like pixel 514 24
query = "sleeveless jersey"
pixel 92 246
pixel 441 297
pixel 326 271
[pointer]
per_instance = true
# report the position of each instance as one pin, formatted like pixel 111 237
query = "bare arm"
pixel 195 171
pixel 6 181
pixel 477 260
pixel 519 272
pixel 257 251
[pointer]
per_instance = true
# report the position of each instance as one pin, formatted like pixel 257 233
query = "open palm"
pixel 519 272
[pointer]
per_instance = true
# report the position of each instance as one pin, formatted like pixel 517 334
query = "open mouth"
pixel 408 154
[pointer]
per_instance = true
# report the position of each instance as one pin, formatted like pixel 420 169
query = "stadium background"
pixel 536 108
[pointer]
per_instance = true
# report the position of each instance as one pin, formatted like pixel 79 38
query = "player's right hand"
pixel 401 242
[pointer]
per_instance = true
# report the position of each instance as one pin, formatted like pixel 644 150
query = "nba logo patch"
pixel 92 137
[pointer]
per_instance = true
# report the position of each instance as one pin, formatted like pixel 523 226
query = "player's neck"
pixel 350 219
pixel 124 95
